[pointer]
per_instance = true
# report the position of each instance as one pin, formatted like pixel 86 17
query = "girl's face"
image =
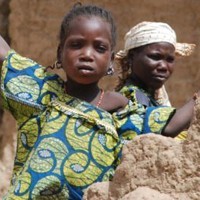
pixel 87 54
pixel 153 64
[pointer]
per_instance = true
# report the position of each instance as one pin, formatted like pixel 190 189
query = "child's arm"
pixel 4 48
pixel 113 102
pixel 181 119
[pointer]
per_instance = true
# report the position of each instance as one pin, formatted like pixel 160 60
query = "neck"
pixel 139 83
pixel 86 92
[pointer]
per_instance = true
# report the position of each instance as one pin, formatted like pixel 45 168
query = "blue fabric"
pixel 64 144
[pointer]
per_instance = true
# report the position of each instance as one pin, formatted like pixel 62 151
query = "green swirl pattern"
pixel 64 144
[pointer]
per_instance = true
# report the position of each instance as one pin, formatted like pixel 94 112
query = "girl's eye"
pixel 170 59
pixel 101 48
pixel 158 57
pixel 75 45
pixel 155 56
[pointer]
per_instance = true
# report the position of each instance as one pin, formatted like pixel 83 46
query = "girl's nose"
pixel 87 54
pixel 163 65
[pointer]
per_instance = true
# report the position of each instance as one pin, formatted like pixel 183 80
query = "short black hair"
pixel 85 10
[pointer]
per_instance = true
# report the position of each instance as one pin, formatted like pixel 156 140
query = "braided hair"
pixel 84 10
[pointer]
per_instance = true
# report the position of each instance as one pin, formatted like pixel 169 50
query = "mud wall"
pixel 34 27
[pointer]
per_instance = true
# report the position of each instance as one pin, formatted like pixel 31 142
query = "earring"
pixel 57 64
pixel 110 71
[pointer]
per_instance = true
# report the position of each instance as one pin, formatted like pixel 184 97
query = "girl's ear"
pixel 130 57
pixel 112 56
pixel 110 70
pixel 59 53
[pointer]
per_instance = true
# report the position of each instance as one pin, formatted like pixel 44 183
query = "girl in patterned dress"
pixel 67 137
pixel 146 63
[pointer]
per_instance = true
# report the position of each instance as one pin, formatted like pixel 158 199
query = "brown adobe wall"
pixel 34 27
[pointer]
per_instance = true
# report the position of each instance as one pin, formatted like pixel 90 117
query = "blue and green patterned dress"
pixel 148 116
pixel 64 144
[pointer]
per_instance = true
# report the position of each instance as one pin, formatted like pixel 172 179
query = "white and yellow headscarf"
pixel 151 32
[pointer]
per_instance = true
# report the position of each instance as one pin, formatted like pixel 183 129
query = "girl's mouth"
pixel 85 69
pixel 159 78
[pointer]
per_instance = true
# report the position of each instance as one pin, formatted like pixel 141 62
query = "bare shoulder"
pixel 114 101
pixel 116 96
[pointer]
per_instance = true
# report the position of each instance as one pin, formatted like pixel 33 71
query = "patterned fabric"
pixel 148 117
pixel 162 97
pixel 148 104
pixel 64 144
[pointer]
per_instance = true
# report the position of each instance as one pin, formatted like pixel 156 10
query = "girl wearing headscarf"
pixel 146 63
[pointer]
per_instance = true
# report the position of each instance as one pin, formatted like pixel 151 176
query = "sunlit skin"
pixel 153 64
pixel 87 51
pixel 86 56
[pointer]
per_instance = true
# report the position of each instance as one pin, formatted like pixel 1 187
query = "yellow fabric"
pixel 181 136
pixel 64 144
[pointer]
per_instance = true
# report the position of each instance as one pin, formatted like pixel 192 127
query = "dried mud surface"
pixel 156 167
